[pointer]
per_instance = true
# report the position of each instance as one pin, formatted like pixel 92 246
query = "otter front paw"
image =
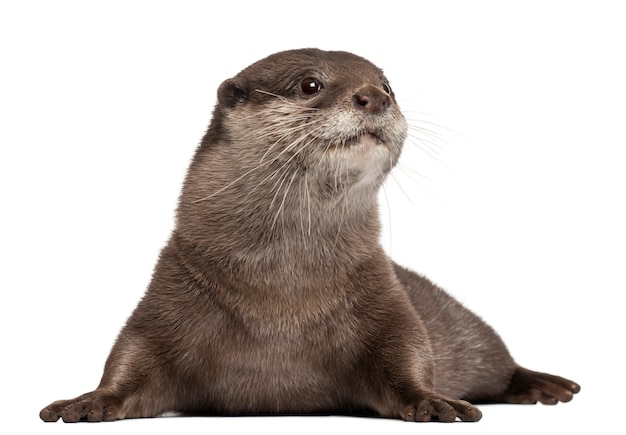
pixel 94 406
pixel 440 409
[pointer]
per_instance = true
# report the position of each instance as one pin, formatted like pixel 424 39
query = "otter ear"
pixel 232 92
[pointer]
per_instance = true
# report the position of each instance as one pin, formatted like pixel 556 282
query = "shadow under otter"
pixel 273 294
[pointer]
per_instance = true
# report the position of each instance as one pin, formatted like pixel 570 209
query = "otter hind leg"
pixel 528 387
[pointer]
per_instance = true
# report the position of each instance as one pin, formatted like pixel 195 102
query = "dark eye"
pixel 387 88
pixel 310 86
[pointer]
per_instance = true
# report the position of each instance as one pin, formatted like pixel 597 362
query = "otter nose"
pixel 371 99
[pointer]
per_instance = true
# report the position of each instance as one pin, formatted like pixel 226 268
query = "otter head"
pixel 330 114
pixel 295 138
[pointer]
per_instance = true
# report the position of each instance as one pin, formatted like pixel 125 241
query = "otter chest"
pixel 300 370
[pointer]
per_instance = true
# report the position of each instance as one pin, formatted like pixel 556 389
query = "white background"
pixel 518 208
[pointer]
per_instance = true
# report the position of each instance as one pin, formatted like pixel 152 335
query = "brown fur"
pixel 273 295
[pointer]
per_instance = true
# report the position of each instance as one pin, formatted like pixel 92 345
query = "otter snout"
pixel 371 99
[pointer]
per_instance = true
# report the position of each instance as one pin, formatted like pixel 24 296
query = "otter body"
pixel 273 294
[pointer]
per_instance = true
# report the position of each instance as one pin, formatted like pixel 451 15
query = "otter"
pixel 273 294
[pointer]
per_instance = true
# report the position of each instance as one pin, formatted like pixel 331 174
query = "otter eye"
pixel 310 86
pixel 387 88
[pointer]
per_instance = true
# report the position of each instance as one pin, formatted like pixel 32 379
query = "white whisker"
pixel 308 200
pixel 236 180
pixel 388 214
pixel 282 204
pixel 401 188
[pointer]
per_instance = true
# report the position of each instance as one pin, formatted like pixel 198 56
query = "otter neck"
pixel 259 228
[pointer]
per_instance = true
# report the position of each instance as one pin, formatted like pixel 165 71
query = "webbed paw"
pixel 441 409
pixel 529 387
pixel 94 406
